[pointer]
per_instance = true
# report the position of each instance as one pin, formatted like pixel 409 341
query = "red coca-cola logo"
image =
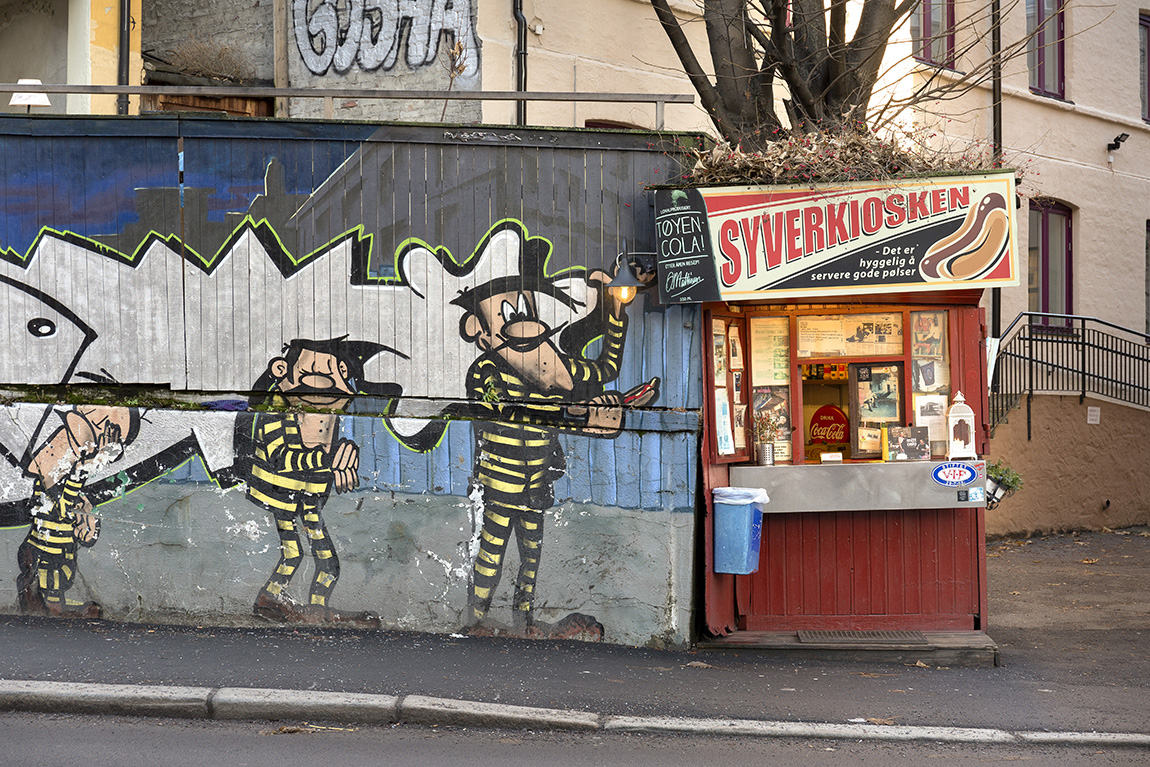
pixel 829 424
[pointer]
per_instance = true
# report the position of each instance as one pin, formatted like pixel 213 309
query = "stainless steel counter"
pixel 860 486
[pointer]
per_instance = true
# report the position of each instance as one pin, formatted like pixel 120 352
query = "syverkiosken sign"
pixel 753 243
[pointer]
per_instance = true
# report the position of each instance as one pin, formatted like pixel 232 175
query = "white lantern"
pixel 960 430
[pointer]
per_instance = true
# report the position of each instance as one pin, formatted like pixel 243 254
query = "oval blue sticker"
pixel 954 474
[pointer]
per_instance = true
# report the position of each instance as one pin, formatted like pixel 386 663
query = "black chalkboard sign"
pixel 686 263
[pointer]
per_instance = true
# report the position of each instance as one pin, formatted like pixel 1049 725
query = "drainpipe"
pixel 124 53
pixel 996 136
pixel 521 60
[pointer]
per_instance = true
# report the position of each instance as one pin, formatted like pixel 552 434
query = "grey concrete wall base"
pixel 256 703
pixel 419 709
pixel 134 700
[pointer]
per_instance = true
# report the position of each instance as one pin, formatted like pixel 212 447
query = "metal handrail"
pixel 1049 315
pixel 660 100
pixel 1068 354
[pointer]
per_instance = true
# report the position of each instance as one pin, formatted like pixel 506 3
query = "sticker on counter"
pixel 954 474
pixel 977 494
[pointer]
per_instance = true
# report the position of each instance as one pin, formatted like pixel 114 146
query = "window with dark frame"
pixel 797 360
pixel 1144 63
pixel 1050 273
pixel 932 32
pixel 1045 54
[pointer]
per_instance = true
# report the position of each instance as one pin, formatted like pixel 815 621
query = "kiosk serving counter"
pixel 840 327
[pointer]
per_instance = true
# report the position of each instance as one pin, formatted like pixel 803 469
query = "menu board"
pixel 850 335
pixel 770 351
pixel 685 261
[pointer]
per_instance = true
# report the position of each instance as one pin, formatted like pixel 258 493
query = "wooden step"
pixel 934 648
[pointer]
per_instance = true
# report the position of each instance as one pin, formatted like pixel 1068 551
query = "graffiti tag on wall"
pixel 375 34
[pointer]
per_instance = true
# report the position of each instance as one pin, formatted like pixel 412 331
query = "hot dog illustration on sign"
pixel 975 248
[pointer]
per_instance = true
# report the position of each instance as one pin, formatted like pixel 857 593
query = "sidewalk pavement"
pixel 1071 614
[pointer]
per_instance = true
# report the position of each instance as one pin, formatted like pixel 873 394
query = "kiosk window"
pixel 841 380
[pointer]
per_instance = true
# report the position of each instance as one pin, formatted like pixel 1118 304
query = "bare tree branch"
pixel 830 77
pixel 708 96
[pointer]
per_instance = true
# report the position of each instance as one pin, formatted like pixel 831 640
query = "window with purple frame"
pixel 932 30
pixel 1050 277
pixel 1045 54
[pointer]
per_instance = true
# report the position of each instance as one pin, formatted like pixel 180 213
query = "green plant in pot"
pixel 1001 482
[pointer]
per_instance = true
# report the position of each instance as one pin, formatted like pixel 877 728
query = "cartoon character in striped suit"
pixel 89 438
pixel 526 389
pixel 297 458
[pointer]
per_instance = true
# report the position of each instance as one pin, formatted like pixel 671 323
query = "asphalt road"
pixel 38 740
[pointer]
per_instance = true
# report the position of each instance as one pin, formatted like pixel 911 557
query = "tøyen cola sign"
pixel 750 243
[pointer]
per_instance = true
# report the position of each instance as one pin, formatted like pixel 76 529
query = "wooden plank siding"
pixel 879 570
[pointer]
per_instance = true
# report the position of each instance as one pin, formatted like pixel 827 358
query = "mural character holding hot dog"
pixel 526 387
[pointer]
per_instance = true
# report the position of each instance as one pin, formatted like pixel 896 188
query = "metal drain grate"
pixel 863 637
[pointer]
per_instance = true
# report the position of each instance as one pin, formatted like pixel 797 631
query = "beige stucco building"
pixel 1074 122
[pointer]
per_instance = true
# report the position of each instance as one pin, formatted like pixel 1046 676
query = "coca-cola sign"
pixel 829 425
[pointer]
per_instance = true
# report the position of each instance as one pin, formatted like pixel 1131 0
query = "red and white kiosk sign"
pixel 938 233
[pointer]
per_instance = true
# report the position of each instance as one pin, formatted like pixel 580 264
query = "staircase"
pixel 1067 354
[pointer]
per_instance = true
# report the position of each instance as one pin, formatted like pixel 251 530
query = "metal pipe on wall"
pixel 124 53
pixel 520 59
pixel 996 135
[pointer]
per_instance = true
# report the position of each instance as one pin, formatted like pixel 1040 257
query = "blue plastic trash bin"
pixel 738 528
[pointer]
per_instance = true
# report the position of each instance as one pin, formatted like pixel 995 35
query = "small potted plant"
pixel 766 424
pixel 1001 482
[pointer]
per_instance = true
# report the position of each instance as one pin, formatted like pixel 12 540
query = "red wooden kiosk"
pixel 852 314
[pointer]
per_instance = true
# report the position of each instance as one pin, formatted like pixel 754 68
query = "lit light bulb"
pixel 627 293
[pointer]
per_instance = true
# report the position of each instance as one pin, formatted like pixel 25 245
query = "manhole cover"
pixel 863 637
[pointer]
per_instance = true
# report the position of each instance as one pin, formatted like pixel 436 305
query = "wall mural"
pixel 526 353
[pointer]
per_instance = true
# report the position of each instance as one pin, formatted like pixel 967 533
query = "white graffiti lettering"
pixel 338 34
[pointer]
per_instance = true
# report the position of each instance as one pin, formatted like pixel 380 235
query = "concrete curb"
pixel 255 703
pixel 234 703
pixel 132 700
pixel 417 709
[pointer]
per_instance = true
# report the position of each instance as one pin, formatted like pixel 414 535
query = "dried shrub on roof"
pixel 829 158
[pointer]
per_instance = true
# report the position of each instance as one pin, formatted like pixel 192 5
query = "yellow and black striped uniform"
pixel 293 482
pixel 518 458
pixel 47 557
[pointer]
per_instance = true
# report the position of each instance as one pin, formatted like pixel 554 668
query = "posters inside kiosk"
pixel 752 243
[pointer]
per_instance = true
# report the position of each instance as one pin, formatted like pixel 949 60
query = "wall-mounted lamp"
pixel 29 99
pixel 1117 142
pixel 639 274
